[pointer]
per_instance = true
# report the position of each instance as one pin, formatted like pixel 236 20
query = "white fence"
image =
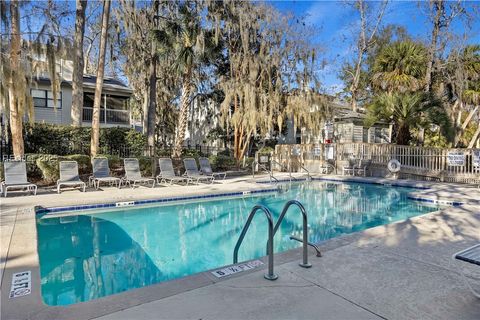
pixel 455 165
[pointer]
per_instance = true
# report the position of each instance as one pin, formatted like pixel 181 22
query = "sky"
pixel 334 22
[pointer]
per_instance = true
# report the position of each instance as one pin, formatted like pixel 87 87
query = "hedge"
pixel 221 162
pixel 64 140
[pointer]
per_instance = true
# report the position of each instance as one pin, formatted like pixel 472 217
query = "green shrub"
pixel 145 166
pixel 226 152
pixel 265 151
pixel 220 162
pixel 49 168
pixel 163 153
pixel 192 153
pixel 65 140
pixel 136 142
pixel 248 162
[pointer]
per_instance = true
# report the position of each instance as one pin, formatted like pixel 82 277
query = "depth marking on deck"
pixel 21 284
pixel 220 273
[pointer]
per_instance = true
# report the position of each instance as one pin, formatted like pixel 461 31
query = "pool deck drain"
pixel 397 271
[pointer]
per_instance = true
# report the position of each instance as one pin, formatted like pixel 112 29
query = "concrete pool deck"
pixel 402 270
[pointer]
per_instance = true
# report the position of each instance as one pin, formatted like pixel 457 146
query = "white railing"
pixel 110 116
pixel 439 164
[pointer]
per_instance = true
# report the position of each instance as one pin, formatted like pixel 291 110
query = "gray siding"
pixel 58 116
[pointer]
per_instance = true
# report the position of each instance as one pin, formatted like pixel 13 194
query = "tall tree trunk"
pixel 152 106
pixel 439 8
pixel 94 143
pixel 183 116
pixel 356 80
pixel 77 80
pixel 475 137
pixel 16 123
pixel 459 133
pixel 146 104
pixel 403 135
pixel 152 110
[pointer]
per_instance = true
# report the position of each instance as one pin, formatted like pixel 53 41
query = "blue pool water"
pixel 84 257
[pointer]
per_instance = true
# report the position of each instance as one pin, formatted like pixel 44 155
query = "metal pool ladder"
pixel 270 275
pixel 305 263
pixel 271 233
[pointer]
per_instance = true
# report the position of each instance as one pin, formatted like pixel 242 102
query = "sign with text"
pixel 476 158
pixel 329 152
pixel 456 158
pixel 220 273
pixel 317 151
pixel 21 284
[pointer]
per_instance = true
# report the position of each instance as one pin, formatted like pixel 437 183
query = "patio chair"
pixel 361 168
pixel 132 173
pixel 469 255
pixel 191 171
pixel 15 173
pixel 101 173
pixel 69 175
pixel 167 173
pixel 348 168
pixel 206 169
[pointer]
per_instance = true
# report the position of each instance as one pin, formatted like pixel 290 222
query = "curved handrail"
pixel 270 275
pixel 309 177
pixel 304 263
pixel 260 165
pixel 283 167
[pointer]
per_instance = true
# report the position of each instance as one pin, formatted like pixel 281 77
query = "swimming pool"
pixel 96 254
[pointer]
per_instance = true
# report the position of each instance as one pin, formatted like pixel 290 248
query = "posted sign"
pixel 21 284
pixel 476 158
pixel 456 158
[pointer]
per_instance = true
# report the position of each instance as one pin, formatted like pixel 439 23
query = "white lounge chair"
pixel 469 255
pixel 69 175
pixel 191 171
pixel 361 168
pixel 133 174
pixel 15 173
pixel 167 173
pixel 206 169
pixel 349 168
pixel 101 173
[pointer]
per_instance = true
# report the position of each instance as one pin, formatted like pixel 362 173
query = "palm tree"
pixel 191 45
pixel 400 67
pixel 407 111
pixel 463 77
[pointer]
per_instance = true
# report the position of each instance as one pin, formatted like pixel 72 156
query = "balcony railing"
pixel 110 116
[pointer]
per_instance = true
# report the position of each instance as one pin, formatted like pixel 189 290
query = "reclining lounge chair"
pixel 101 173
pixel 191 171
pixel 16 177
pixel 469 255
pixel 206 169
pixel 69 175
pixel 167 173
pixel 133 174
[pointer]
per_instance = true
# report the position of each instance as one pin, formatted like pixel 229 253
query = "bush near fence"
pixel 67 140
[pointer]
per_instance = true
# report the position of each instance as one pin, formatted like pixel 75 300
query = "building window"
pixel 44 99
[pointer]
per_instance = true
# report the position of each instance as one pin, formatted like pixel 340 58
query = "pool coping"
pixel 172 200
pixel 163 200
pixel 24 236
